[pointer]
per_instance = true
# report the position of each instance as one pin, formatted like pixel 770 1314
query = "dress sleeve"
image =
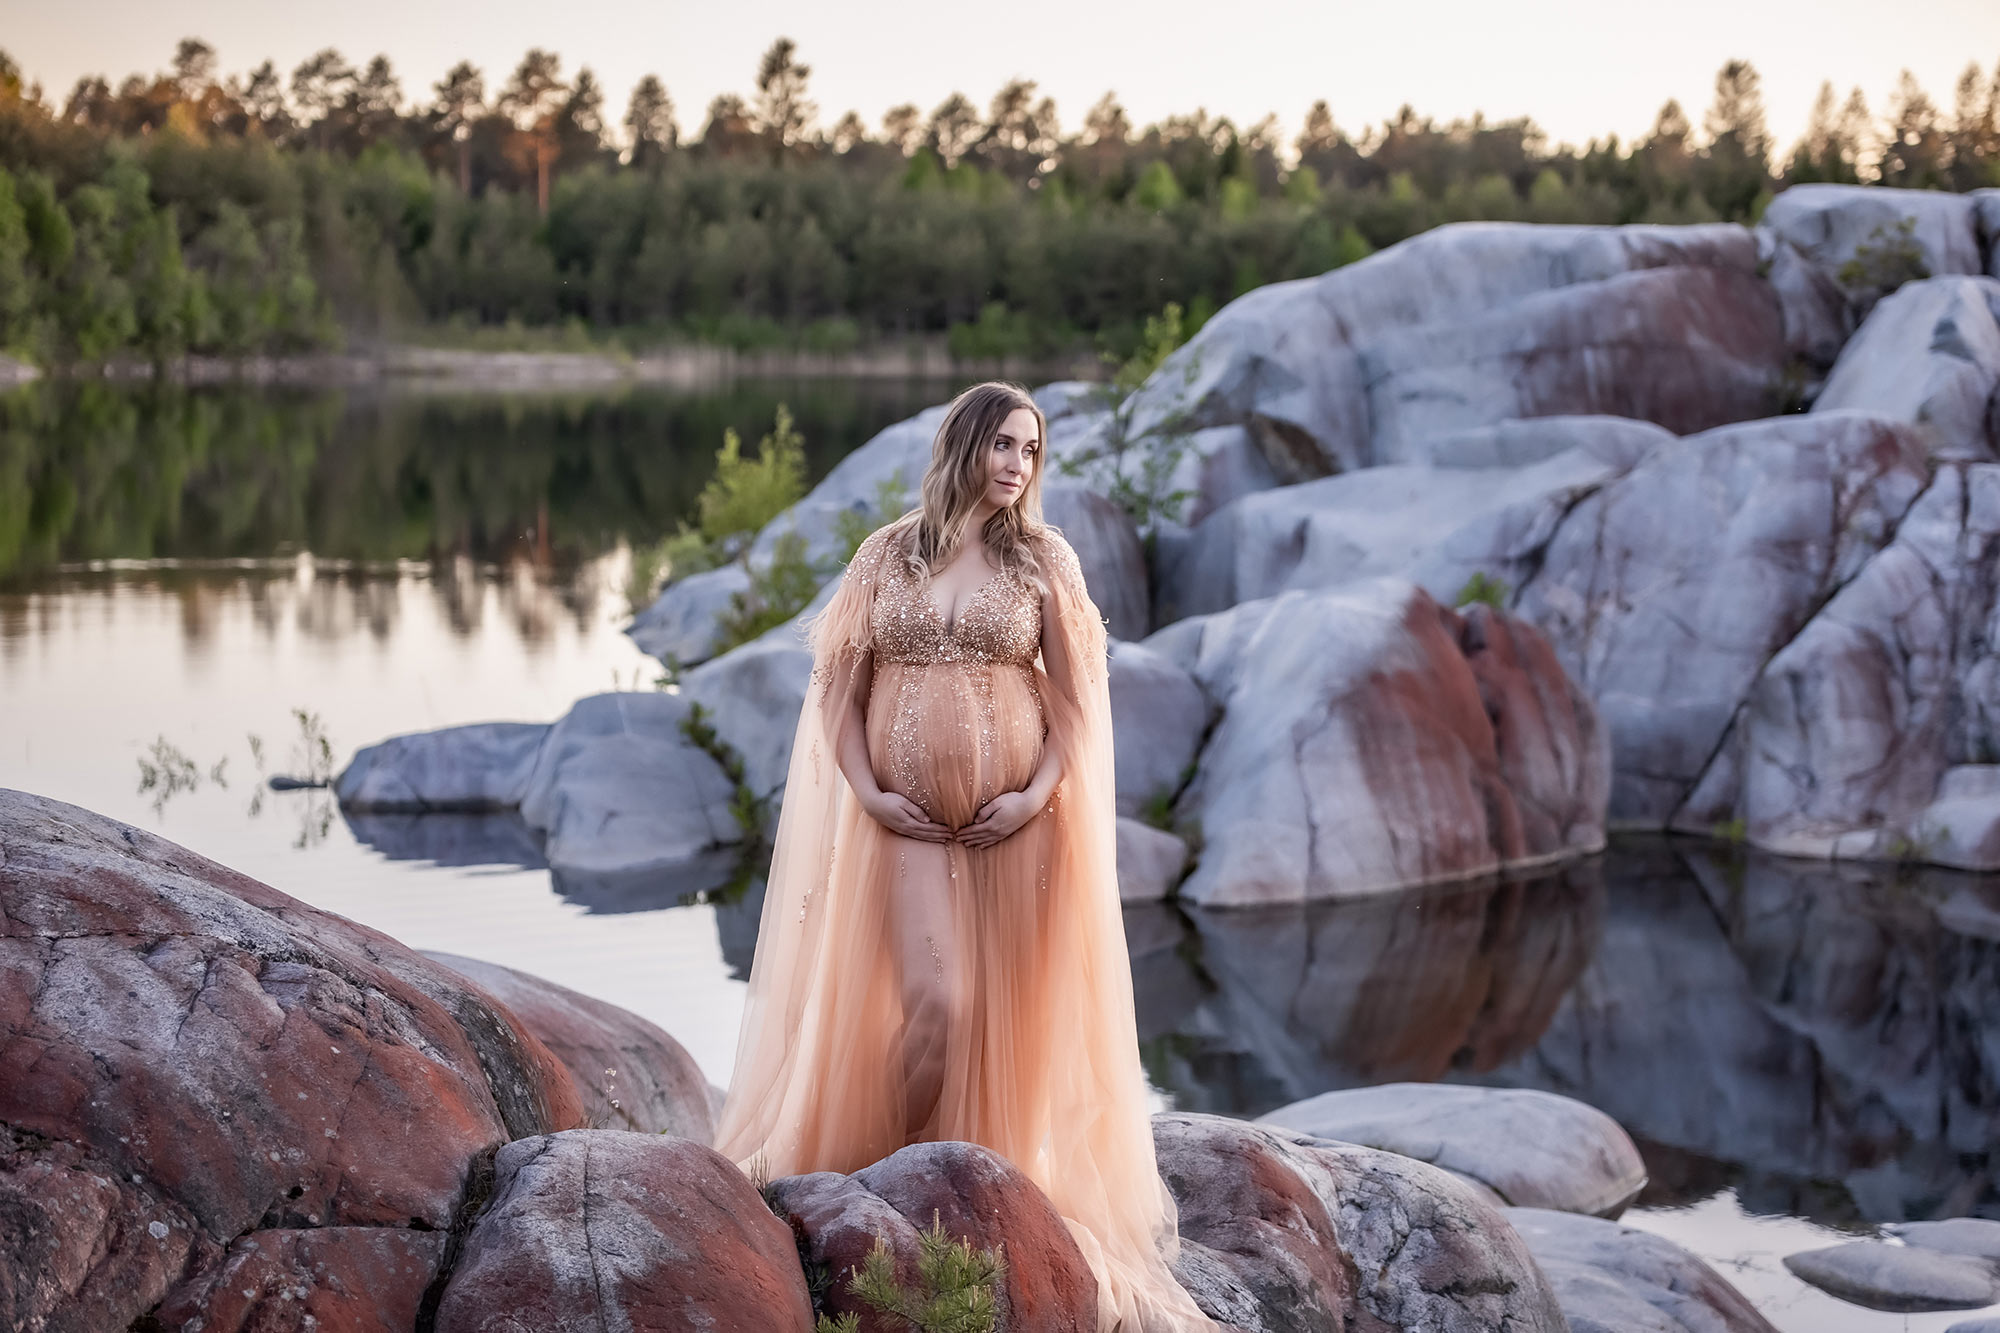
pixel 843 625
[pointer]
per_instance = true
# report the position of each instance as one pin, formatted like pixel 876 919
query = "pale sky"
pixel 1579 67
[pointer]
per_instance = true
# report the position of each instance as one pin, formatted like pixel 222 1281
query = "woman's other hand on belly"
pixel 1000 818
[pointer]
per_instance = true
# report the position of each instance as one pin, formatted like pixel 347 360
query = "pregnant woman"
pixel 941 953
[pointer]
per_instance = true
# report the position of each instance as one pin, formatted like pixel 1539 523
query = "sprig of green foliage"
pixel 957 1288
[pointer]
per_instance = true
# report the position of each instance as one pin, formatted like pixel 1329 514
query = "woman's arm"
pixel 898 814
pixel 1008 811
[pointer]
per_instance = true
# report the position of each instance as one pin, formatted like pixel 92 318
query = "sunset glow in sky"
pixel 1578 68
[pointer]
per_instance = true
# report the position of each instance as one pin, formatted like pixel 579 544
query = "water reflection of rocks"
pixel 1826 1040
pixel 1823 1039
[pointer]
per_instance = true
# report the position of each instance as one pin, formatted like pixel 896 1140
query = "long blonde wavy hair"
pixel 956 479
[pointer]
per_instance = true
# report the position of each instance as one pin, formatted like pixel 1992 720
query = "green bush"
pixel 957 1289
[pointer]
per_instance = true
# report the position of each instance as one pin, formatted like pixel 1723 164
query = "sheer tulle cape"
pixel 1044 1065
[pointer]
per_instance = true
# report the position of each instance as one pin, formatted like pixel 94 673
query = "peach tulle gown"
pixel 905 991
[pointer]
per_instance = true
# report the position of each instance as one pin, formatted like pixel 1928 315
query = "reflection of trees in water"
pixel 93 471
pixel 1825 1039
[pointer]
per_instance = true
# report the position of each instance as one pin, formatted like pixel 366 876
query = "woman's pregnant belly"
pixel 952 736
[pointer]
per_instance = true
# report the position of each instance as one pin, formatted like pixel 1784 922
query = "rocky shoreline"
pixel 1500 538
pixel 208 1122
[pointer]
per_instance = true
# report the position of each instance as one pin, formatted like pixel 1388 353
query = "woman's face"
pixel 1011 458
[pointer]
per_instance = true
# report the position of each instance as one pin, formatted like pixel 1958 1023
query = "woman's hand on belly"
pixel 903 817
pixel 1000 818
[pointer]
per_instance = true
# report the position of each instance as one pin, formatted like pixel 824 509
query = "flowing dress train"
pixel 905 991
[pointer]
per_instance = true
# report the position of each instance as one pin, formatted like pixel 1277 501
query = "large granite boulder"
pixel 1107 547
pixel 974 1195
pixel 1688 347
pixel 754 695
pixel 1151 861
pixel 1158 718
pixel 1290 361
pixel 1532 1149
pixel 1371 739
pixel 602 1229
pixel 202 1077
pixel 1184 473
pixel 1809 237
pixel 481 767
pixel 683 625
pixel 1870 733
pixel 1437 524
pixel 1283 1232
pixel 615 788
pixel 1930 355
pixel 1667 590
pixel 891 463
pixel 618 786
pixel 629 1073
pixel 1616 1279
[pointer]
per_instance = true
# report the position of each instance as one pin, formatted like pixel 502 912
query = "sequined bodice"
pixel 1001 622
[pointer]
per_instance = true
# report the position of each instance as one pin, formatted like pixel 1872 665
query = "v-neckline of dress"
pixel 951 624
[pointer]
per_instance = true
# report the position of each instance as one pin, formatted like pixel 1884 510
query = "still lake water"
pixel 1802 1053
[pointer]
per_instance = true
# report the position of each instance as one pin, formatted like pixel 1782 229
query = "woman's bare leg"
pixel 923 936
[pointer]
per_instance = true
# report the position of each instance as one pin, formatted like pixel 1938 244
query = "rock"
pixel 1619 442
pixel 480 767
pixel 1151 861
pixel 1158 718
pixel 1986 216
pixel 1929 354
pixel 1810 233
pixel 683 626
pixel 629 1073
pixel 1665 591
pixel 1974 1237
pixel 320 1277
pixel 975 1195
pixel 891 463
pixel 1186 473
pixel 1064 398
pixel 1437 524
pixel 618 787
pixel 1842 741
pixel 599 1228
pixel 1532 1149
pixel 1107 547
pixel 1371 739
pixel 1899 1278
pixel 1287 360
pixel 755 694
pixel 191 1060
pixel 1283 1231
pixel 1616 1279
pixel 1686 347
pixel 1991 1325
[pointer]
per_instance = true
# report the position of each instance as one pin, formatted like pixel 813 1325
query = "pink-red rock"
pixel 631 1074
pixel 188 1056
pixel 975 1195
pixel 606 1229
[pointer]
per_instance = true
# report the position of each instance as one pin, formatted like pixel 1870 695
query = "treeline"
pixel 191 212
